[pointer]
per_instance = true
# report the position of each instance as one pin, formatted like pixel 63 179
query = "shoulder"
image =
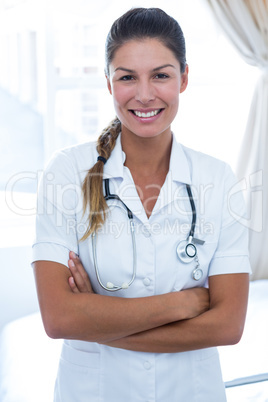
pixel 205 161
pixel 216 179
pixel 83 156
pixel 205 168
pixel 70 165
pixel 73 161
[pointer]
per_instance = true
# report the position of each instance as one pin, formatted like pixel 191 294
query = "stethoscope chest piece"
pixel 186 251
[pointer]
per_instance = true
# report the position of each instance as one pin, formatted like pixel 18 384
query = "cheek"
pixel 175 91
pixel 121 95
pixel 170 94
pixel 173 96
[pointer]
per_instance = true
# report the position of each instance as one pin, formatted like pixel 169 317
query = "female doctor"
pixel 145 271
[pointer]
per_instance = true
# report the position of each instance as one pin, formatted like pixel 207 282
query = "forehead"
pixel 148 53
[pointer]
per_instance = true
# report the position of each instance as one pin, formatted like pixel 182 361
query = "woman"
pixel 141 312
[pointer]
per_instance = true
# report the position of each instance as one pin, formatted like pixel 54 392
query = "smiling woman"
pixel 146 99
pixel 125 342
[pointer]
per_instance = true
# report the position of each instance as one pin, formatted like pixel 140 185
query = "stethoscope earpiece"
pixel 111 286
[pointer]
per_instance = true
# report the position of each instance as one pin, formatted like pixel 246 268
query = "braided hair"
pixel 137 23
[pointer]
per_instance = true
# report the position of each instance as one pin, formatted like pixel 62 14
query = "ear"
pixel 184 79
pixel 109 84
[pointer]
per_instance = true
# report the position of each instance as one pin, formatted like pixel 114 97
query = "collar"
pixel 179 173
pixel 178 168
pixel 114 166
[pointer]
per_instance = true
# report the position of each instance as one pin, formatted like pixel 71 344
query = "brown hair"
pixel 92 185
pixel 137 23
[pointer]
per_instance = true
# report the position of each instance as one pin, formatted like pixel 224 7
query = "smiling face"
pixel 145 82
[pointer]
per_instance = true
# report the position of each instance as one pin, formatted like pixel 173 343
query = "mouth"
pixel 146 114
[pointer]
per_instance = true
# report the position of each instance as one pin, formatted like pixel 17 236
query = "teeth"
pixel 149 114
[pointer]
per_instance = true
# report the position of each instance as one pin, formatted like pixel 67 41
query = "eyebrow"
pixel 154 69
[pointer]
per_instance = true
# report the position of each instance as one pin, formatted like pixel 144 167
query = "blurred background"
pixel 53 94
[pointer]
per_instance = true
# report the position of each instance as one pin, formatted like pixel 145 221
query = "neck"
pixel 147 156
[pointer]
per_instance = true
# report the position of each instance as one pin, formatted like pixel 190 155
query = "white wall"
pixel 18 294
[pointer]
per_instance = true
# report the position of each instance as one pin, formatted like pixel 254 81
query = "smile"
pixel 148 114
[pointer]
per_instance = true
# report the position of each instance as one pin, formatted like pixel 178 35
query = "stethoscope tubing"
pixel 189 242
pixel 112 287
pixel 191 199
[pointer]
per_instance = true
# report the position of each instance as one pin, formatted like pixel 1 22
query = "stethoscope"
pixel 186 249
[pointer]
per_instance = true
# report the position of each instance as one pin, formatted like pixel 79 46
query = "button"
pixel 147 365
pixel 146 281
pixel 146 231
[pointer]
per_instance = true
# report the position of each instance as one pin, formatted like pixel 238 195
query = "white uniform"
pixel 96 373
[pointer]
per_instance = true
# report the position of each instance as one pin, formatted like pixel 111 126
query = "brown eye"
pixel 126 78
pixel 161 76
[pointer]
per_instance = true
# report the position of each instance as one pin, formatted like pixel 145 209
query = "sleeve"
pixel 58 200
pixel 231 255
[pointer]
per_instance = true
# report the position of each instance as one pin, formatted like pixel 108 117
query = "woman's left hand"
pixel 79 280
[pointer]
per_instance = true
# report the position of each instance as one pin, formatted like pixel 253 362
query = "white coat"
pixel 97 373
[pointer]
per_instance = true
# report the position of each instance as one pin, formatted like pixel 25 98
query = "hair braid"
pixel 93 183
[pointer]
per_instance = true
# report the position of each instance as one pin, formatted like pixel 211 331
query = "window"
pixel 53 91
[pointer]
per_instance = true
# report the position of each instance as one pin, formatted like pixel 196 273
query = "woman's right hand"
pixel 196 301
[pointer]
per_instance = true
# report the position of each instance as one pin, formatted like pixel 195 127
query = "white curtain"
pixel 245 22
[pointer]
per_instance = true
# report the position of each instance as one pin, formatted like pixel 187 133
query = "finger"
pixel 72 285
pixel 77 267
pixel 82 272
pixel 80 275
pixel 77 277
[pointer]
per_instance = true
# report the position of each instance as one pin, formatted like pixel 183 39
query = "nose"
pixel 145 92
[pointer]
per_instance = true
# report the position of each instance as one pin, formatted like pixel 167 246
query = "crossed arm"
pixel 173 322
